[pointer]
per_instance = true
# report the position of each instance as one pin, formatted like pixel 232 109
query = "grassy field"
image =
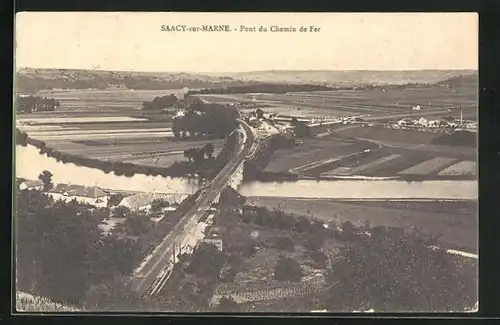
pixel 401 153
pixel 311 150
pixel 105 124
pixel 338 103
pixel 457 221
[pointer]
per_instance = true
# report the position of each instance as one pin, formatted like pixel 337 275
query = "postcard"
pixel 246 162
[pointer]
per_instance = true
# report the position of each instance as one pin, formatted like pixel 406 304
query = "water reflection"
pixel 30 163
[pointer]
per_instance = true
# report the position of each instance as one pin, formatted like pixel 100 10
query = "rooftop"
pixel 78 190
pixel 32 183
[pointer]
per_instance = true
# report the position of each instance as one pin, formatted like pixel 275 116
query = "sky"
pixel 345 41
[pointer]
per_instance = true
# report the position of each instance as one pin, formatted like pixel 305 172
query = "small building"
pixel 36 185
pixel 416 108
pixel 422 121
pixel 217 242
pixel 82 194
pixel 213 235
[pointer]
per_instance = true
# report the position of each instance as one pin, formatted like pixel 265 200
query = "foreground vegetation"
pixel 385 269
pixel 61 255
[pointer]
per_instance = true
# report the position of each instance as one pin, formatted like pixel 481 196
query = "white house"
pixel 36 185
pixel 416 108
pixel 85 195
pixel 422 121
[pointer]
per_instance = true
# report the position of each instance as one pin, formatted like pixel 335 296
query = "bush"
pixel 288 269
pixel 227 304
pixel 320 259
pixel 314 243
pixel 228 276
pixel 285 243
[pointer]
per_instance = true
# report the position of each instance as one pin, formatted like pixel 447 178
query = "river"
pixel 364 189
pixel 30 163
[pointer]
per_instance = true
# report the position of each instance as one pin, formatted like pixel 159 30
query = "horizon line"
pixel 248 71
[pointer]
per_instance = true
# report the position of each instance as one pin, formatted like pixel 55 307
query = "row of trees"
pixel 197 155
pixel 255 166
pixel 35 103
pixel 261 88
pixel 117 167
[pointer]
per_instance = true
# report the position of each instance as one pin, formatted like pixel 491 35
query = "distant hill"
pixel 342 78
pixel 469 80
pixel 32 80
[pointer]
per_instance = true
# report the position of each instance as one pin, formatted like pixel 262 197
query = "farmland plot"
pixel 428 166
pixel 461 168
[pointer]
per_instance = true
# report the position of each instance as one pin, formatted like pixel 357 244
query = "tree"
pixel 319 258
pixel 176 129
pixel 188 154
pixel 348 230
pixel 302 130
pixel 294 121
pixel 394 271
pixel 198 156
pixel 259 112
pixel 207 260
pixel 285 243
pixel 137 224
pixel 46 178
pixel 314 242
pixel 227 304
pixel 121 211
pixel 288 269
pixel 209 150
pixel 158 204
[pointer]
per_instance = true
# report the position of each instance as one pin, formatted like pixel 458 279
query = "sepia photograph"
pixel 245 162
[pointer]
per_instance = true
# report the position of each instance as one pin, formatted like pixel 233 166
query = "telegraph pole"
pixel 461 116
pixel 173 252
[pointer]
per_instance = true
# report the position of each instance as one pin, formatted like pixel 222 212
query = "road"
pixel 154 266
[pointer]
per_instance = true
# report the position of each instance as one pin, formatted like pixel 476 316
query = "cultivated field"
pixel 101 101
pixel 339 103
pixel 379 152
pixel 456 220
pixel 105 124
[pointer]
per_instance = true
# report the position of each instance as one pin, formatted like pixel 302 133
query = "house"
pixel 36 185
pixel 422 121
pixel 82 194
pixel 143 201
pixel 416 108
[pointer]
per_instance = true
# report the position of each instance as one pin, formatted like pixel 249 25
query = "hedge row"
pixel 254 167
pixel 177 169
